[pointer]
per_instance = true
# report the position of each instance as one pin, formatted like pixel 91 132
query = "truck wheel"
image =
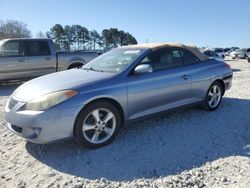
pixel 75 66
pixel 97 124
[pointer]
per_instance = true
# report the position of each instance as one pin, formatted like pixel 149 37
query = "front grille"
pixel 16 128
pixel 12 103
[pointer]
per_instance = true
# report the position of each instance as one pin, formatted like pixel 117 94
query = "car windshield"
pixel 115 60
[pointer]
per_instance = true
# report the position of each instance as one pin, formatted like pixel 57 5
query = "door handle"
pixel 185 77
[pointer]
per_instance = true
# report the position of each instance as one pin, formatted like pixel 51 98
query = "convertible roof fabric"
pixel 156 46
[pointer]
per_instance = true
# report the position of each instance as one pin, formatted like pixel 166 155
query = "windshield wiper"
pixel 97 70
pixel 92 69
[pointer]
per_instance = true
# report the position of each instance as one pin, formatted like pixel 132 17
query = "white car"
pixel 241 53
pixel 219 51
pixel 212 55
pixel 232 54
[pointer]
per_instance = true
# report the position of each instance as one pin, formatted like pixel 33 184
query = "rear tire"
pixel 75 66
pixel 213 97
pixel 97 124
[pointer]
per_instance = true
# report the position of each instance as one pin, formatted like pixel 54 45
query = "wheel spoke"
pixel 218 99
pixel 108 117
pixel 108 131
pixel 87 127
pixel 95 114
pixel 210 93
pixel 211 101
pixel 95 137
pixel 214 89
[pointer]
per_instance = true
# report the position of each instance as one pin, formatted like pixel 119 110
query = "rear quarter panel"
pixel 203 75
pixel 65 59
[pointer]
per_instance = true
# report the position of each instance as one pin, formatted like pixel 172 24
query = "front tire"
pixel 213 97
pixel 97 124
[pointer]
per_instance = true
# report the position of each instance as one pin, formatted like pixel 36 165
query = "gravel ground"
pixel 186 148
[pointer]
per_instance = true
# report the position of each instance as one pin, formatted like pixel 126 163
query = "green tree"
pixel 107 39
pixel 56 33
pixel 84 37
pixel 95 40
pixel 129 39
pixel 78 37
pixel 68 37
pixel 113 38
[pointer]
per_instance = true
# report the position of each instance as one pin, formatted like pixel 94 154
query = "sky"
pixel 210 23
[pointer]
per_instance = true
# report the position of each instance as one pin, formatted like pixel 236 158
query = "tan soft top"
pixel 156 46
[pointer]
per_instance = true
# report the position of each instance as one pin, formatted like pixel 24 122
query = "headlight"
pixel 46 101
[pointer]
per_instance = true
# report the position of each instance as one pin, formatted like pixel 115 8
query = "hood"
pixel 64 80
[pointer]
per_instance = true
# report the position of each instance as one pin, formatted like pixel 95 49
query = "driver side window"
pixel 12 49
pixel 163 59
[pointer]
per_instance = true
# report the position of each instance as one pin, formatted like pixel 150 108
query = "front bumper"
pixel 228 82
pixel 43 127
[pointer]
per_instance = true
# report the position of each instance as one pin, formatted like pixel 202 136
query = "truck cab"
pixel 25 58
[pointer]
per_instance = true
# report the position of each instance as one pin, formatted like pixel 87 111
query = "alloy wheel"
pixel 99 125
pixel 214 96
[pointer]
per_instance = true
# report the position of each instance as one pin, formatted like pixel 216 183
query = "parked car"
pixel 227 51
pixel 240 53
pixel 219 51
pixel 91 104
pixel 21 58
pixel 234 48
pixel 212 55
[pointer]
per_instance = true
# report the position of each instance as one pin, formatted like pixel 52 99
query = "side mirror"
pixel 145 68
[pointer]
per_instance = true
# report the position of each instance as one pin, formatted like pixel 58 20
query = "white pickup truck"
pixel 25 58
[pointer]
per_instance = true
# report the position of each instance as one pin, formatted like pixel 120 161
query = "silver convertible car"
pixel 91 104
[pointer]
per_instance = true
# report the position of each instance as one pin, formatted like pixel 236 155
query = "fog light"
pixel 36 131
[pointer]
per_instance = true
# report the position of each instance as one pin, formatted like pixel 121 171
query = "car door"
pixel 168 86
pixel 202 72
pixel 13 60
pixel 41 61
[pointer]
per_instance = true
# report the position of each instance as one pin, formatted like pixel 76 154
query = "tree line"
pixel 79 37
pixel 70 37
